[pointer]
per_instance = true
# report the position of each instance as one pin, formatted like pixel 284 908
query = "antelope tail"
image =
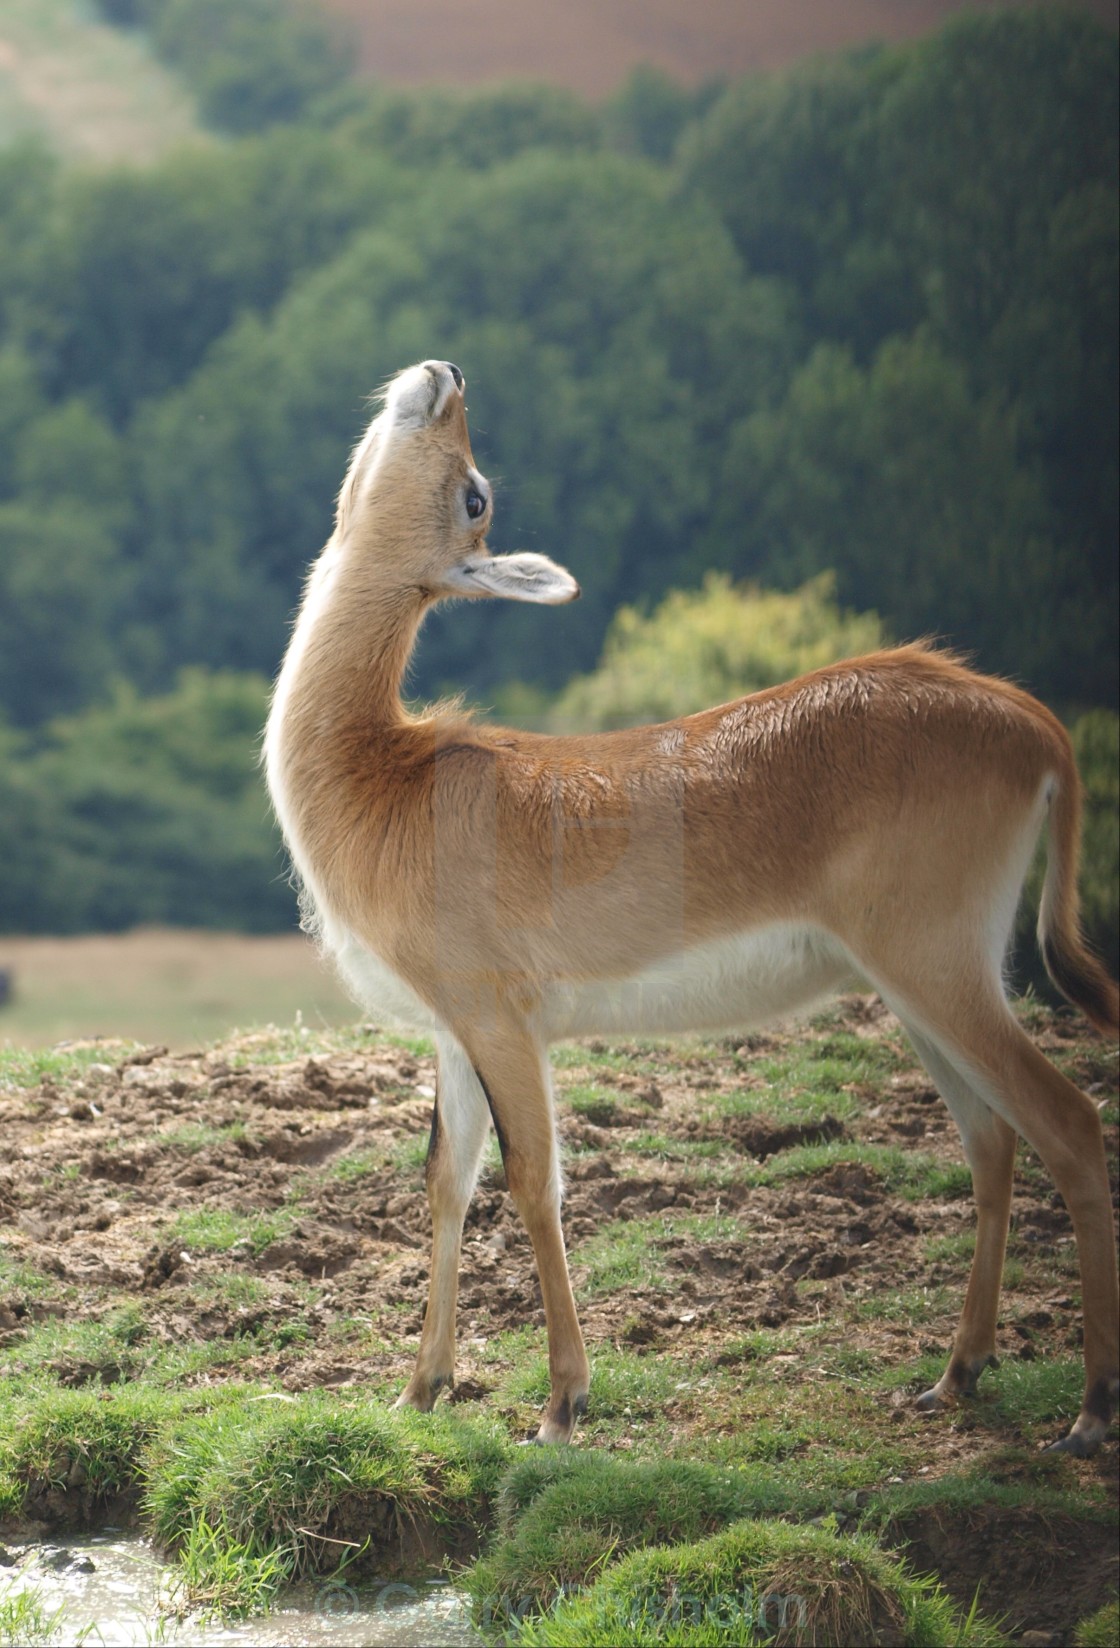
pixel 1074 969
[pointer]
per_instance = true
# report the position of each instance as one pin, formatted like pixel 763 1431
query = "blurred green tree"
pixel 147 810
pixel 703 647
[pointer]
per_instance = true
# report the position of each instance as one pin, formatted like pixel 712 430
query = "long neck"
pixel 338 693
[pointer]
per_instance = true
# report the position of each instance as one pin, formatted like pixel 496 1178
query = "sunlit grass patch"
pixel 671 1149
pixel 638 1057
pixel 57 1346
pixel 233 1289
pixel 1100 1630
pixel 1038 1484
pixel 356 1164
pixel 217 1230
pixel 1039 1397
pixel 634 1252
pixel 623 1384
pixel 956 1249
pixel 191 1137
pixel 913 1307
pixel 911 1174
pixel 1039 1394
pixel 119 1347
pixel 563 1515
pixel 25 1067
pixel 813 1078
pixel 624 1254
pixel 823 1436
pixel 295 1474
pixel 76 1439
pixel 759 1582
pixel 273 1044
pixel 221 1578
pixel 743 1350
pixel 25 1620
pixel 598 1105
pixel 409 1155
pixel 18 1277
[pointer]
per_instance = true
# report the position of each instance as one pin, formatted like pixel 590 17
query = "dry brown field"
pixel 592 45
pixel 166 985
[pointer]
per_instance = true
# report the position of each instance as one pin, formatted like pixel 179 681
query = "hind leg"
pixel 989 1147
pixel 979 1038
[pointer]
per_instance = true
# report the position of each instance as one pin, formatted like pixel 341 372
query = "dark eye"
pixel 475 502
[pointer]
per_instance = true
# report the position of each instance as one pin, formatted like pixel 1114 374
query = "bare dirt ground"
pixel 592 47
pixel 116 1185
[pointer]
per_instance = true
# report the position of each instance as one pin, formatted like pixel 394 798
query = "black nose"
pixel 456 374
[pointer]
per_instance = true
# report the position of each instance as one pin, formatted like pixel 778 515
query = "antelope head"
pixel 415 504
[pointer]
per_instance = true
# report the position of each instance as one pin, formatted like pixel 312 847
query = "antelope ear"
pixel 513 578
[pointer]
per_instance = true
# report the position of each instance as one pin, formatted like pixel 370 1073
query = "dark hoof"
pixel 421 1393
pixel 1081 1447
pixel 558 1425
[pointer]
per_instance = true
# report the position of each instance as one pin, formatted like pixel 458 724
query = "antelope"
pixel 501 890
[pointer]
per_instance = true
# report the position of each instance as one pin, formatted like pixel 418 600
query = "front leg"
pixel 513 1071
pixel 460 1121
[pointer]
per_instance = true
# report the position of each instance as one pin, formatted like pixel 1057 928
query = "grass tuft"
pixel 759 1582
pixel 1100 1630
pixel 219 1578
pixel 565 1515
pixel 298 1474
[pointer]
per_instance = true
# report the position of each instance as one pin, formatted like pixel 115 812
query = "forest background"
pixel 780 366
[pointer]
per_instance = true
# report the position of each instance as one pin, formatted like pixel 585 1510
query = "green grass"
pixel 28 1067
pixel 1041 1489
pixel 19 1278
pixel 357 1164
pixel 96 1441
pixel 598 1105
pixel 757 1582
pixel 252 1487
pixel 25 1621
pixel 681 1442
pixel 563 1514
pixel 624 1385
pixel 120 1347
pixel 956 1250
pixel 1100 1630
pixel 235 1290
pixel 294 1474
pixel 275 1044
pixel 217 1230
pixel 220 1578
pixel 911 1174
pixel 631 1252
pixel 811 1080
pixel 191 1137
pixel 633 1058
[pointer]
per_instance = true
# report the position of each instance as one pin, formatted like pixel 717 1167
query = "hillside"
pixel 93 92
pixel 592 47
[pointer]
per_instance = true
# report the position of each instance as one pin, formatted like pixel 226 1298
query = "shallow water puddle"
pixel 111 1588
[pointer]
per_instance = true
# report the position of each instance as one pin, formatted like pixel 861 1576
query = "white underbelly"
pixel 752 978
pixel 749 979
